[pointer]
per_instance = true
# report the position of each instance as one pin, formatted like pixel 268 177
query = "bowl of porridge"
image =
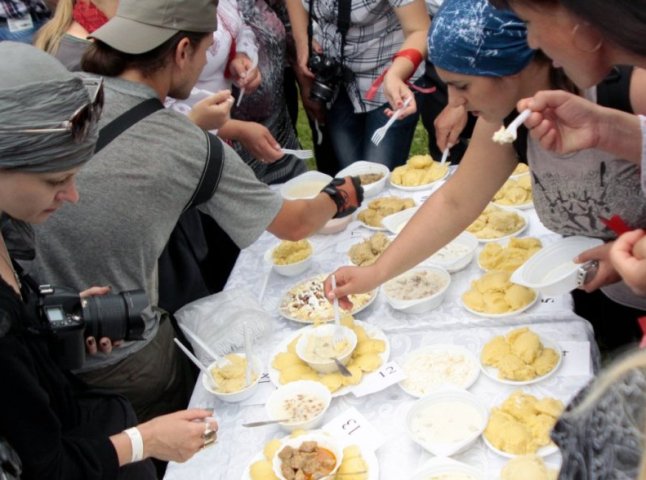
pixel 303 403
pixel 419 290
pixel 317 348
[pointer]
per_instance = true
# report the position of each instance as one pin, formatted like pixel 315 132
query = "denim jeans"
pixel 24 36
pixel 351 132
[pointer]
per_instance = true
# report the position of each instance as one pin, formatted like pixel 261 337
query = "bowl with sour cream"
pixel 418 290
pixel 316 347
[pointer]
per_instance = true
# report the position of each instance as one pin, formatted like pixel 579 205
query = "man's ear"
pixel 183 52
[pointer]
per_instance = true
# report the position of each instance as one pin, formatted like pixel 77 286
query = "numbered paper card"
pixel 389 374
pixel 356 429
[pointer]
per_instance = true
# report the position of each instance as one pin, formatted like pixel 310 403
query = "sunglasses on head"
pixel 79 122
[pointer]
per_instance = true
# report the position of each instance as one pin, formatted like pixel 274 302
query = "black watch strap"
pixel 343 207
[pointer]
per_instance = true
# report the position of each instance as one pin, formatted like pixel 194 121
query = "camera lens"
pixel 117 317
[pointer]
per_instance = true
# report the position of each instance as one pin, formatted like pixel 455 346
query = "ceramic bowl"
pixel 240 395
pixel 325 366
pixel 423 304
pixel 295 393
pixel 305 185
pixel 361 167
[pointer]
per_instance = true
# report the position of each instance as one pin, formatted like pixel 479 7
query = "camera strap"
pixel 342 23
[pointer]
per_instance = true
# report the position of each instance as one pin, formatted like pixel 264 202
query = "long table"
pixel 399 456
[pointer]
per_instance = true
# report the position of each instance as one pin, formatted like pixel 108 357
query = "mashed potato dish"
pixel 495 222
pixel 495 257
pixel 418 170
pixel 527 467
pixel 493 293
pixel 291 252
pixel 515 192
pixel 366 252
pixel 365 358
pixel 520 169
pixel 382 207
pixel 519 355
pixel 522 424
pixel 231 377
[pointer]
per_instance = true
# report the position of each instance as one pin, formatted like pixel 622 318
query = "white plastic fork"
pixel 445 156
pixel 337 338
pixel 509 134
pixel 302 154
pixel 380 133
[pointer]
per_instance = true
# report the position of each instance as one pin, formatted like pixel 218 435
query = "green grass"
pixel 419 145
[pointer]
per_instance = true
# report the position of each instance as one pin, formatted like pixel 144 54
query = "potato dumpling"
pixel 418 170
pixel 262 470
pixel 493 293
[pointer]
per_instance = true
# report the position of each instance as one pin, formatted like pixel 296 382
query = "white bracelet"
pixel 137 443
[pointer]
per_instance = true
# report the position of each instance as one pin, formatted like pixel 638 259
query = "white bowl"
pixel 440 467
pixel 322 438
pixel 241 394
pixel 424 304
pixel 291 391
pixel 289 269
pixel 397 221
pixel 455 255
pixel 551 270
pixel 305 185
pixel 335 225
pixel 360 167
pixel 449 407
pixel 325 366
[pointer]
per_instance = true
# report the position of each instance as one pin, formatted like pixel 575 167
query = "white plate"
pixel 492 372
pixel 449 349
pixel 520 206
pixel 501 315
pixel 382 228
pixel 505 246
pixel 354 311
pixel 522 214
pixel 541 452
pixel 426 186
pixel 367 454
pixel 371 330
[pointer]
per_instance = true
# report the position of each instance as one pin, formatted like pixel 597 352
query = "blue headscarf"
pixel 473 38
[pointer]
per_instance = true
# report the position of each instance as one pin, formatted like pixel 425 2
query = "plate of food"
pixel 366 252
pixel 521 425
pixel 493 295
pixel 356 458
pixel 372 215
pixel 495 223
pixel 306 302
pixel 520 357
pixel 372 351
pixel 495 256
pixel 436 366
pixel 516 193
pixel 420 172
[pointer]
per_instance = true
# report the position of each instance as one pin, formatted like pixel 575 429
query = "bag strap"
pixel 614 90
pixel 126 120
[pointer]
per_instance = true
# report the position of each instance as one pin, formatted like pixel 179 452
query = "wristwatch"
pixel 340 196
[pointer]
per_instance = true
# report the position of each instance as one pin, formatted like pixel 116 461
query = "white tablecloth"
pixel 399 457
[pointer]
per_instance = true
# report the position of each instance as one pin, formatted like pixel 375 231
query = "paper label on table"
pixel 356 429
pixel 389 374
pixel 576 359
pixel 264 389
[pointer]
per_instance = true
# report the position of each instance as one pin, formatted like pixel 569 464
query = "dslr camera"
pixel 328 74
pixel 66 320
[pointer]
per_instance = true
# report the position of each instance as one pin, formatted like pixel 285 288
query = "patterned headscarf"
pixel 36 91
pixel 471 37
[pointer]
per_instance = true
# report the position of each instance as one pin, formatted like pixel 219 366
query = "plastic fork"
pixel 511 132
pixel 302 154
pixel 254 64
pixel 445 156
pixel 380 133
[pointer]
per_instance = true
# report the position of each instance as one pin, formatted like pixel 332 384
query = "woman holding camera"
pixel 385 40
pixel 59 427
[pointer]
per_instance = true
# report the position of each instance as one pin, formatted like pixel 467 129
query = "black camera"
pixel 328 73
pixel 67 319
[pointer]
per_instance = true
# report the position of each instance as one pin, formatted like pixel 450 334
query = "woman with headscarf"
pixel 483 56
pixel 59 427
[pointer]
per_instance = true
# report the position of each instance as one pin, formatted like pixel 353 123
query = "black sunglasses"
pixel 80 121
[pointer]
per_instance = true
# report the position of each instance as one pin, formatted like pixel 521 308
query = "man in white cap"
pixel 140 183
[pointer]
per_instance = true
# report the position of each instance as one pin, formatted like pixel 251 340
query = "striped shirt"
pixel 10 9
pixel 375 35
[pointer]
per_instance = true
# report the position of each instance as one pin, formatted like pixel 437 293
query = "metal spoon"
pixel 265 422
pixel 343 370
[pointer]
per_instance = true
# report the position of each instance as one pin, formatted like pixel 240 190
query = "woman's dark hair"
pixel 622 22
pixel 101 59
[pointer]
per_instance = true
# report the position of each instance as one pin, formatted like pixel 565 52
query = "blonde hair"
pixel 616 371
pixel 48 38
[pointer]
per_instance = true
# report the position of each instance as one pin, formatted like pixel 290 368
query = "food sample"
pixel 382 207
pixel 306 301
pixel 495 257
pixel 515 192
pixel 527 467
pixel 520 169
pixel 368 178
pixel 300 407
pixel 415 285
pixel 291 252
pixel 503 136
pixel 519 355
pixel 493 293
pixel 231 377
pixel 366 253
pixel 365 358
pixel 321 348
pixel 353 462
pixel 522 424
pixel 427 370
pixel 418 170
pixel 447 421
pixel 309 460
pixel 495 222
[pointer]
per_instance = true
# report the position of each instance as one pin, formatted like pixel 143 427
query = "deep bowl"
pixel 291 391
pixel 240 395
pixel 322 438
pixel 362 167
pixel 423 304
pixel 290 269
pixel 305 185
pixel 325 366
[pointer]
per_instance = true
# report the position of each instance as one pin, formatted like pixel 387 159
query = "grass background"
pixel 418 147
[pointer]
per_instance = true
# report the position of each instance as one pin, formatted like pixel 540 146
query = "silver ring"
pixel 209 435
pixel 586 272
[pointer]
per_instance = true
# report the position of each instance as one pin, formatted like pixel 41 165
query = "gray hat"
pixel 142 25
